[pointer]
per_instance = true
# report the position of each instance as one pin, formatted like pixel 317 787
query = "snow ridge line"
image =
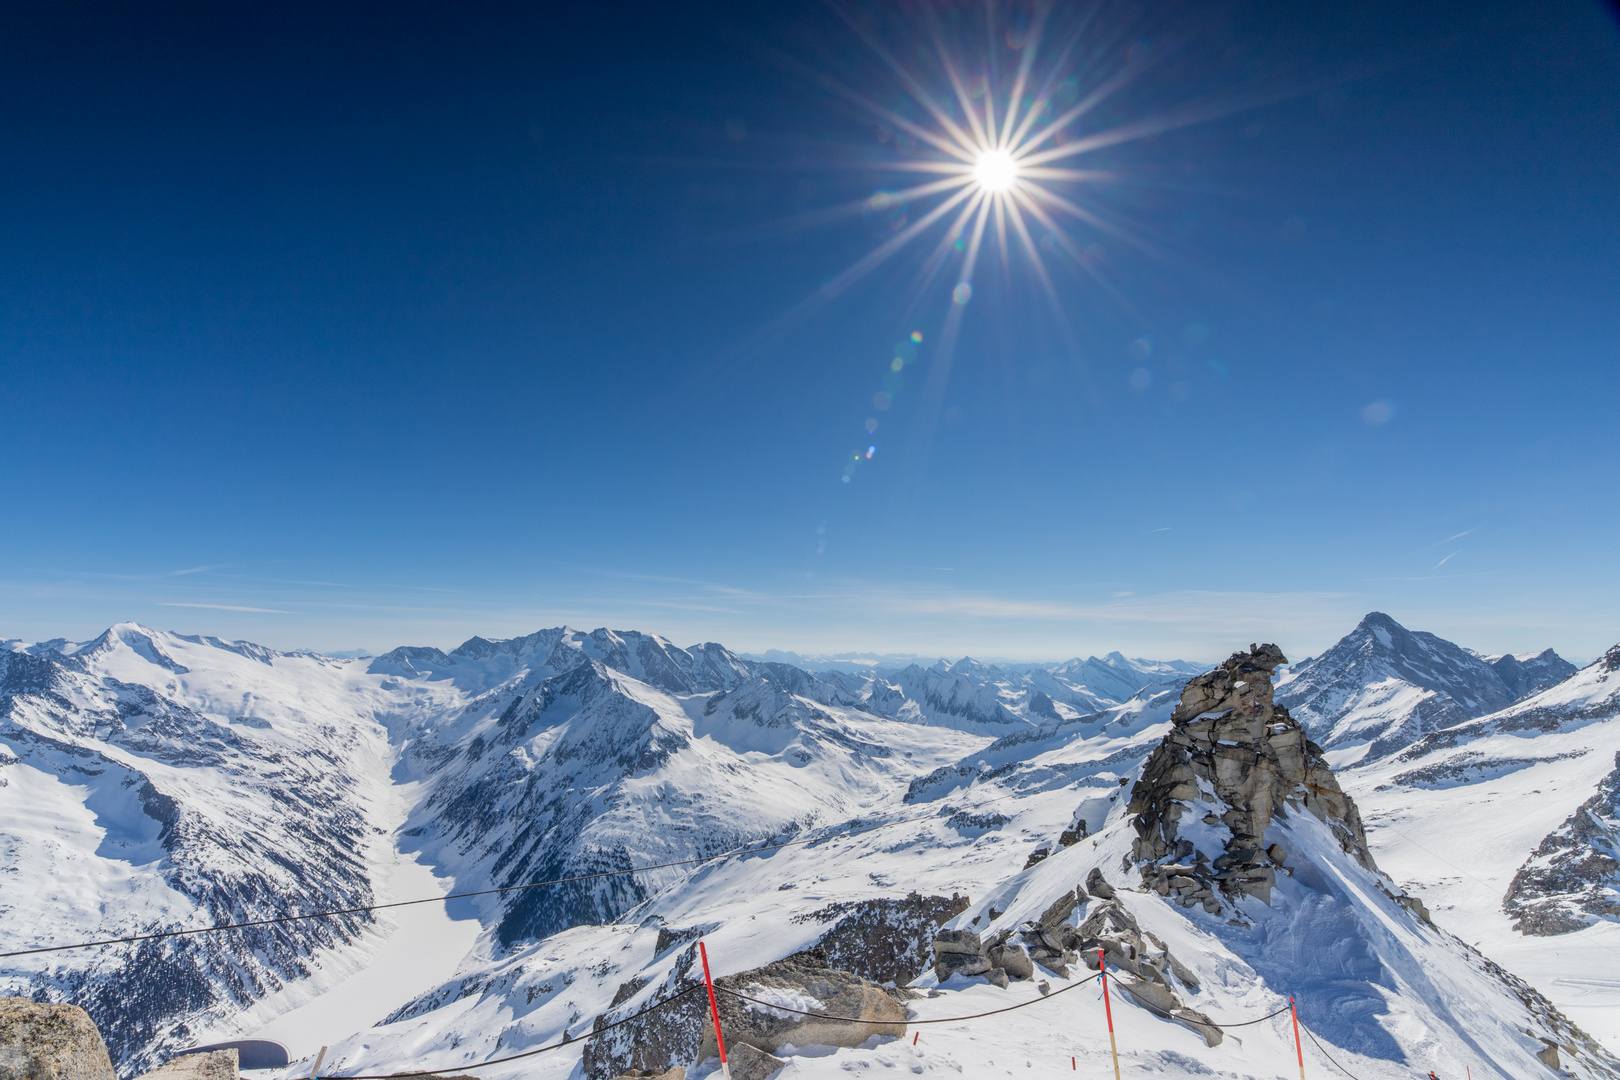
pixel 696 860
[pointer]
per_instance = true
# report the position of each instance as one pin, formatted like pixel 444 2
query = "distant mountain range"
pixel 152 780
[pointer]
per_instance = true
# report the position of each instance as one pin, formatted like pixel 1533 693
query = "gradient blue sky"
pixel 339 326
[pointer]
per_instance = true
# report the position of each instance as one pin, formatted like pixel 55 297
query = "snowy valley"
pixel 153 781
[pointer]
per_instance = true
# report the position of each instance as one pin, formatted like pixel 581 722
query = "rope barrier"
pixel 1327 1055
pixel 734 852
pixel 1246 1023
pixel 566 1041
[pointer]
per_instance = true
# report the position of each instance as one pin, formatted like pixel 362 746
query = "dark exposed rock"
pixel 1573 877
pixel 1038 855
pixel 885 940
pixel 681 1033
pixel 50 1042
pixel 748 1062
pixel 1061 908
pixel 1098 885
pixel 1232 749
pixel 803 976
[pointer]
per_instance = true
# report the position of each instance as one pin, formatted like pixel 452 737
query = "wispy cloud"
pixel 1459 536
pixel 226 607
pixel 193 570
pixel 1445 560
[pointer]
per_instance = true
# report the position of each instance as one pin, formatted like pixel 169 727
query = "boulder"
pixel 960 964
pixel 957 941
pixel 1060 910
pixel 801 982
pixel 748 1062
pixel 1098 885
pixel 213 1065
pixel 50 1042
pixel 678 1072
pixel 1013 960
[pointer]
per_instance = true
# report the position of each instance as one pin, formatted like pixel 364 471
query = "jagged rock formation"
pixel 1141 964
pixel 1573 877
pixel 1242 759
pixel 50 1042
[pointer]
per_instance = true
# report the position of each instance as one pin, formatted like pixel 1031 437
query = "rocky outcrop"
pixel 50 1042
pixel 213 1065
pixel 1232 761
pixel 1140 964
pixel 884 940
pixel 764 1008
pixel 1573 877
pixel 681 1033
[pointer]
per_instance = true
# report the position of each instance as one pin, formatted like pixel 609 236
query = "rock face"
pixel 50 1042
pixel 214 1065
pixel 1240 760
pixel 1141 965
pixel 884 940
pixel 1573 877
pixel 805 983
pixel 682 1034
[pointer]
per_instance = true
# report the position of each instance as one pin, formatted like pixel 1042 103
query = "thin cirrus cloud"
pixel 226 607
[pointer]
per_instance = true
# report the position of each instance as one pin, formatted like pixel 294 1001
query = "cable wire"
pixel 744 850
pixel 1327 1055
pixel 1246 1023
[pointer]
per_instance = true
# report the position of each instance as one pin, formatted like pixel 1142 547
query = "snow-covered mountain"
pixel 149 781
pixel 1015 825
pixel 1382 687
pixel 1505 826
pixel 154 781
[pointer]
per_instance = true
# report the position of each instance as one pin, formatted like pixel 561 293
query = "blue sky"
pixel 335 326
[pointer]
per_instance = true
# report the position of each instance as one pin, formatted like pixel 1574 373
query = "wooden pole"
pixel 1298 1048
pixel 714 1010
pixel 320 1057
pixel 1108 1011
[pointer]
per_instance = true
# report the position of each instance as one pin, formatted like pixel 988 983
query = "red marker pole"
pixel 714 1010
pixel 1108 1010
pixel 1298 1049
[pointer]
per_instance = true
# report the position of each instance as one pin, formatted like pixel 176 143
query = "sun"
pixel 995 170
